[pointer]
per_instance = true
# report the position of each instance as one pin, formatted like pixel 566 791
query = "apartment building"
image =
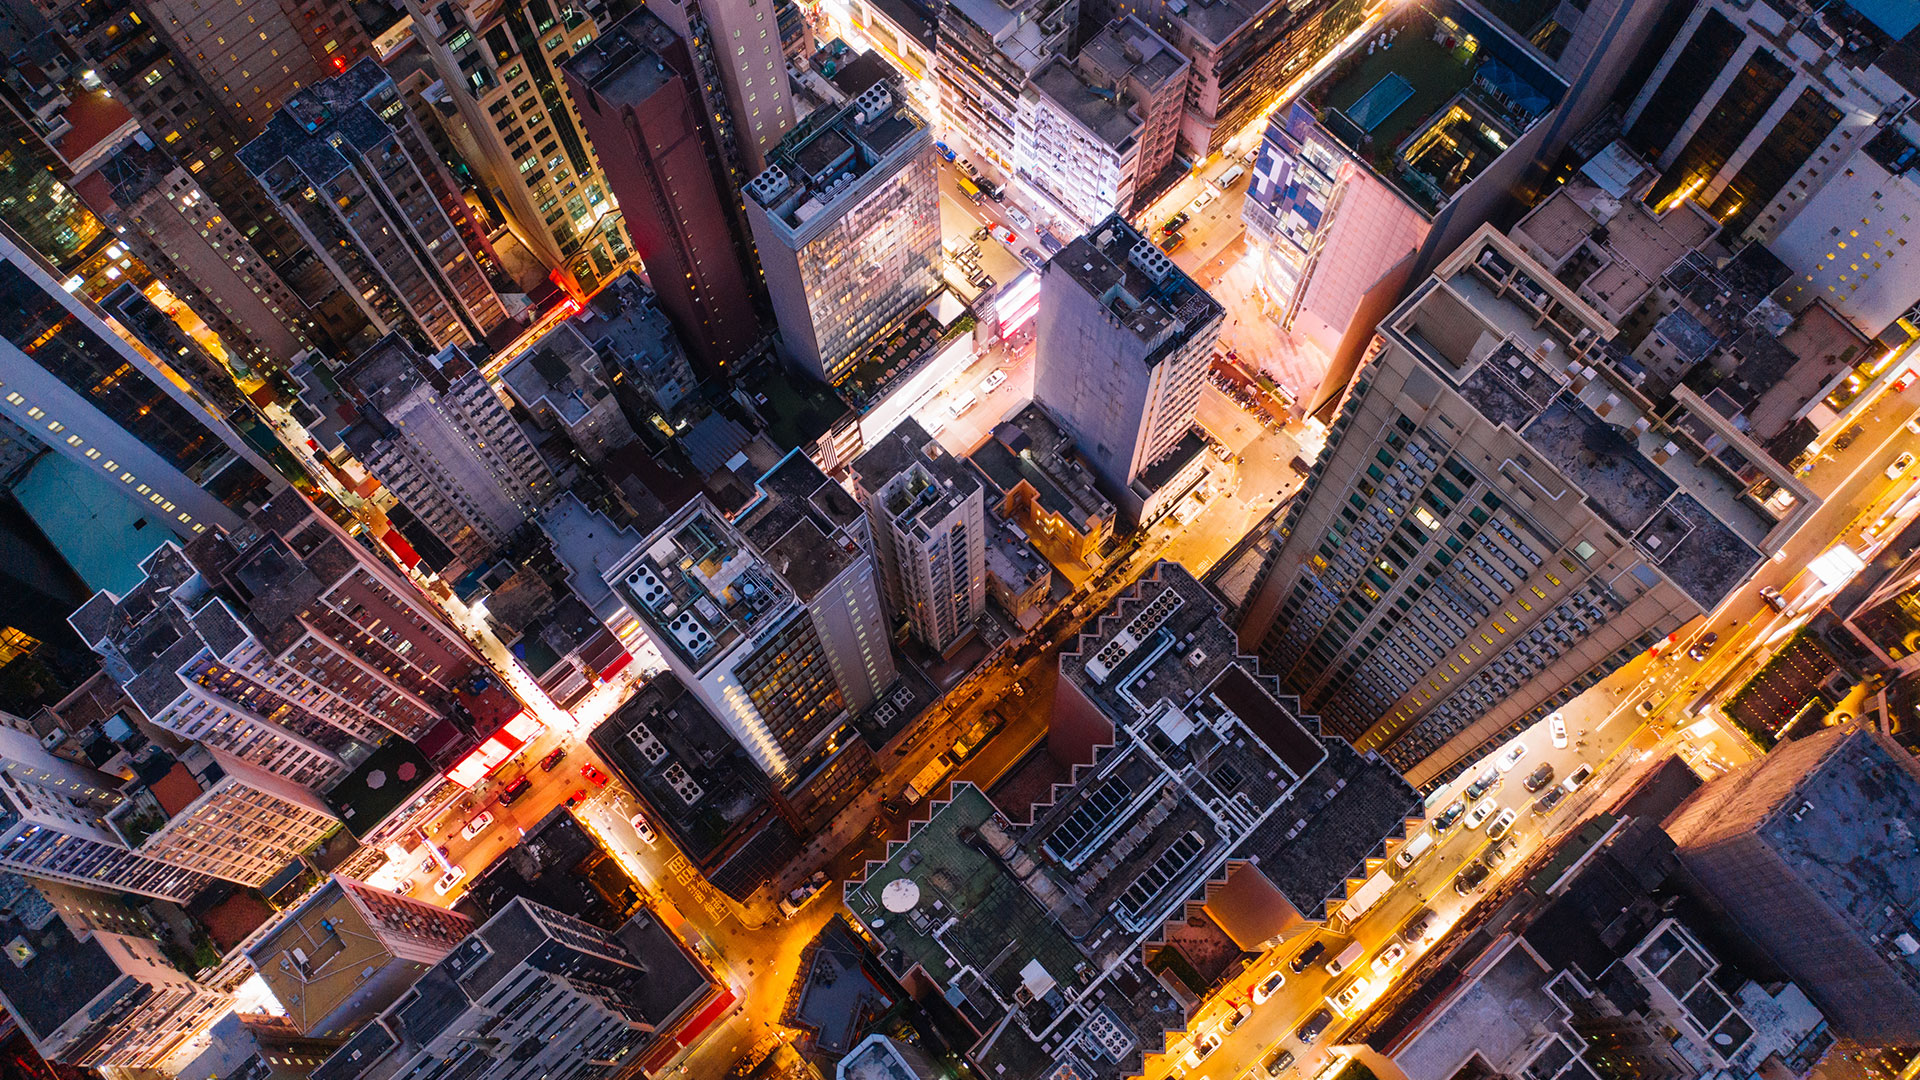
pixel 564 384
pixel 1036 480
pixel 1122 345
pixel 346 163
pixel 1499 520
pixel 632 334
pixel 434 433
pixel 640 94
pixel 1845 243
pixel 212 813
pixel 1096 131
pixel 846 217
pixel 348 951
pixel 737 45
pixel 927 514
pixel 987 50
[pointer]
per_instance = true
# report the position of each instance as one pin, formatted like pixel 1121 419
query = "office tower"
pixel 54 826
pixel 82 386
pixel 740 41
pixel 562 382
pixel 1096 131
pixel 1754 107
pixel 282 643
pixel 166 218
pixel 639 96
pixel 847 221
pixel 350 168
pixel 1342 229
pixel 1499 520
pixel 90 997
pixel 348 951
pixel 210 812
pixel 987 51
pixel 1194 787
pixel 630 332
pixel 1809 850
pixel 528 974
pixel 774 619
pixel 1121 347
pixel 433 433
pixel 1875 278
pixel 927 514
pixel 1244 53
pixel 521 133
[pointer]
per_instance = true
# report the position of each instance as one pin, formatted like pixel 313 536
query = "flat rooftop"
pixel 1139 286
pixel 1031 449
pixel 1106 115
pixel 701 583
pixel 1496 1015
pixel 818 165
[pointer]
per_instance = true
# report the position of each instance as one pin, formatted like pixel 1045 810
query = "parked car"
pixel 1019 217
pixel 1314 951
pixel 1502 823
pixel 514 790
pixel 1484 783
pixel 1444 819
pixel 1279 1061
pixel 1481 811
pixel 1511 758
pixel 1032 258
pixel 1498 852
pixel 553 758
pixel 1314 1025
pixel 1203 1044
pixel 1772 598
pixel 1267 987
pixel 1900 466
pixel 1389 958
pixel 1576 778
pixel 1173 223
pixel 1171 242
pixel 1470 878
pixel 1557 730
pixel 1001 233
pixel 1050 243
pixel 643 828
pixel 1416 928
pixel 992 382
pixel 1547 802
pixel 477 826
pixel 449 880
pixel 1349 994
pixel 1539 777
pixel 1231 176
pixel 1238 1016
pixel 590 772
pixel 944 151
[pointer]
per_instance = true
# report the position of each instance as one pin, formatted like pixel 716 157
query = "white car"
pixel 1202 1046
pixel 478 825
pixel 1512 757
pixel 1019 217
pixel 1389 959
pixel 1268 986
pixel 1502 823
pixel 992 382
pixel 449 880
pixel 1900 466
pixel 1352 993
pixel 1557 728
pixel 1481 811
pixel 1576 778
pixel 643 828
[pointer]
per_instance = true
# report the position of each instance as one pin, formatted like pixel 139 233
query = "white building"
pixel 927 511
pixel 213 813
pixel 1852 244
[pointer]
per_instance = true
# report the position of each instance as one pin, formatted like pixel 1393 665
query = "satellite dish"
pixel 899 896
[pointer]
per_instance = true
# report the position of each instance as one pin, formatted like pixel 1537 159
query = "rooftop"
pixel 698 580
pixel 588 544
pixel 818 165
pixel 1025 32
pixel 1031 449
pixel 561 373
pixel 1498 1015
pixel 560 865
pixel 1138 285
pixel 1433 108
pixel 1097 108
pixel 341 113
pixel 53 976
pixel 918 482
pixel 806 526
pixel 627 62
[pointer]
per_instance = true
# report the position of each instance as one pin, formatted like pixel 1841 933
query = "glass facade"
pixel 874 265
pixel 1700 62
pixel 1785 150
pixel 1753 91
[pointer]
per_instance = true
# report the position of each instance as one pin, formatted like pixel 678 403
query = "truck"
pixel 924 781
pixel 1347 958
pixel 1415 848
pixel 1366 896
pixel 967 185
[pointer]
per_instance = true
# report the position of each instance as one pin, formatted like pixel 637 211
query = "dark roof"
pixel 1343 814
pixel 673 978
pixel 63 977
pixel 364 797
pixel 1297 748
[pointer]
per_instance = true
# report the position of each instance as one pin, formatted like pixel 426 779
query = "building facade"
pixel 987 50
pixel 562 382
pixel 212 813
pixel 846 217
pixel 927 514
pixel 627 327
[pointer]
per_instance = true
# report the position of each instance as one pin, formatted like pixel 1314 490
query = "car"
pixel 959 406
pixel 514 790
pixel 1280 1061
pixel 1313 951
pixel 1557 730
pixel 1268 986
pixel 1444 819
pixel 579 796
pixel 992 382
pixel 1019 217
pixel 643 828
pixel 1484 783
pixel 945 151
pixel 1772 598
pixel 1547 802
pixel 1576 778
pixel 1204 200
pixel 1314 1025
pixel 1251 155
pixel 1645 708
pixel 1502 822
pixel 1173 223
pixel 1470 878
pixel 1349 994
pixel 1481 811
pixel 1539 777
pixel 1511 758
pixel 797 898
pixel 1389 958
pixel 1032 258
pixel 1913 424
pixel 968 168
pixel 1001 233
pixel 592 773
pixel 449 880
pixel 1204 1045
pixel 1231 176
pixel 1237 1017
pixel 1050 243
pixel 477 826
pixel 1171 242
pixel 1416 928
pixel 1905 380
pixel 1697 653
pixel 553 758
pixel 1497 853
pixel 1900 466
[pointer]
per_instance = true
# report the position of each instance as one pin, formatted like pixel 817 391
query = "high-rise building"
pixel 350 168
pixel 91 997
pixel 1121 345
pixel 1095 132
pixel 1875 279
pixel 630 332
pixel 1755 107
pixel 846 217
pixel 740 40
pixel 1499 520
pixel 563 382
pixel 349 951
pixel 987 50
pixel 497 66
pixel 1810 851
pixel 86 388
pixel 775 619
pixel 54 826
pixel 640 101
pixel 281 643
pixel 433 432
pixel 927 513
pixel 527 975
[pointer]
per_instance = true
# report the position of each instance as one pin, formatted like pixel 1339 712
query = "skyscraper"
pixel 85 388
pixel 640 102
pixel 741 40
pixel 433 432
pixel 1121 348
pixel 927 513
pixel 846 217
pixel 1498 521
pixel 351 169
